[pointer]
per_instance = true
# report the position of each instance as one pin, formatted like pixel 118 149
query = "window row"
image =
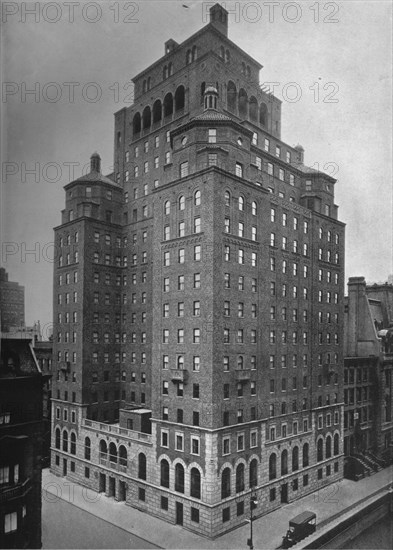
pixel 293 247
pixel 330 236
pixel 287 290
pixel 181 202
pixel 68 239
pixel 67 318
pixel 68 259
pixel 329 256
pixel 181 229
pixel 289 267
pixel 68 278
pixel 67 298
pixel 285 222
pixel 181 279
pixel 240 282
pixel 109 279
pixel 181 337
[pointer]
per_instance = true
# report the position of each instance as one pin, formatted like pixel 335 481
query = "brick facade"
pixel 222 333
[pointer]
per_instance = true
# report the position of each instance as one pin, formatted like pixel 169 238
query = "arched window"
pixel 165 72
pixel 272 466
pixel 253 109
pixel 182 203
pixel 336 449
pixel 295 459
pixel 144 86
pixel 243 103
pixel 168 104
pixel 226 483
pixel 122 456
pixel 241 203
pixel 65 441
pixel 57 438
pixel 157 111
pixel 179 98
pixel 197 198
pixel 142 466
pixel 87 448
pixel 136 123
pixel 170 69
pixel 231 96
pixel 284 462
pixel 73 443
pixel 328 447
pixel 253 472
pixel 195 483
pixel 227 56
pixel 263 114
pixel 227 198
pixel 305 455
pixel 112 452
pixel 146 116
pixel 164 466
pixel 222 52
pixel 103 449
pixel 149 83
pixel 188 57
pixel 179 478
pixel 240 478
pixel 167 207
pixel 320 450
pixel 194 53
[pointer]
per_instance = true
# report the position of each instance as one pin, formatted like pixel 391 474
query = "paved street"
pixel 131 527
pixel 64 525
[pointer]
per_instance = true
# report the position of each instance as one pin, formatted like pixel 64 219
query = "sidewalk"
pixel 268 530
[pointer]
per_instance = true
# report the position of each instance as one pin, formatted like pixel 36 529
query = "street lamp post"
pixel 253 504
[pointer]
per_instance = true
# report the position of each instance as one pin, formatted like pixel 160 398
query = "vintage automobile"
pixel 299 528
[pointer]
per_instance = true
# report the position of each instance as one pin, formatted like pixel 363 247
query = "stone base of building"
pixel 207 520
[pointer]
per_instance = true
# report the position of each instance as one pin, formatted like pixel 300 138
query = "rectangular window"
pixel 212 135
pixel 184 169
pixel 239 170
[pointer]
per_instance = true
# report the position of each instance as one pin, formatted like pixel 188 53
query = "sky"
pixel 332 68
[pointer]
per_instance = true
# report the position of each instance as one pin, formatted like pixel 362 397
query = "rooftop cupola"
pixel 300 151
pixel 95 163
pixel 210 98
pixel 219 18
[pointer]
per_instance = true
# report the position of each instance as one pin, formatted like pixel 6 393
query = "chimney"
pixel 95 163
pixel 219 18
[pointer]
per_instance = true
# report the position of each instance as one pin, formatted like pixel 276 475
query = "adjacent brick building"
pixel 21 434
pixel 12 303
pixel 198 301
pixel 368 365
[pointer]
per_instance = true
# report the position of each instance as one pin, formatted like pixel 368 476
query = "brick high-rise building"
pixel 199 301
pixel 12 303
